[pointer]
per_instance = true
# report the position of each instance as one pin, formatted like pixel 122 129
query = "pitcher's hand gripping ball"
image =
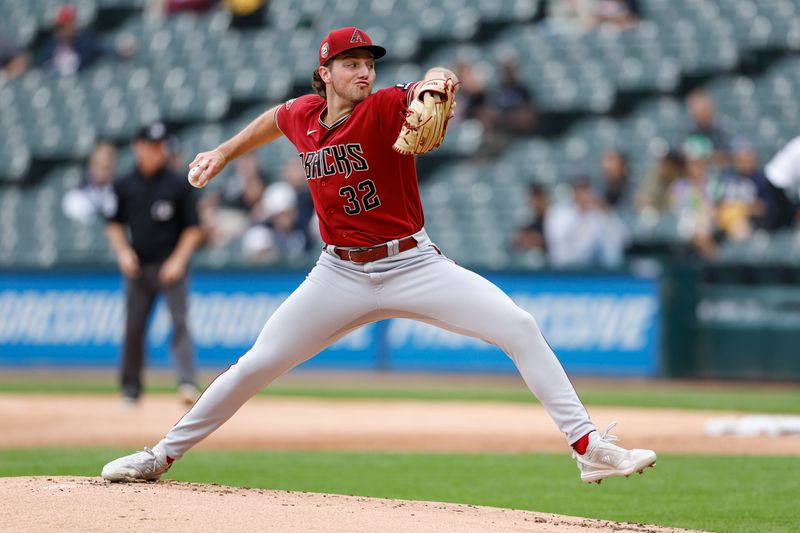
pixel 205 167
pixel 193 174
pixel 427 117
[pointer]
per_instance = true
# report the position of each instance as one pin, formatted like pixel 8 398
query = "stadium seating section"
pixel 612 88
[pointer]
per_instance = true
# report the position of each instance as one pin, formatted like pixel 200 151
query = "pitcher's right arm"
pixel 206 165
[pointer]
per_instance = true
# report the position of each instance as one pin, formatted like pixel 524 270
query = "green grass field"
pixel 764 399
pixel 715 493
pixel 730 494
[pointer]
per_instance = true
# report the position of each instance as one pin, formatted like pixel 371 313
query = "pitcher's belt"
pixel 368 254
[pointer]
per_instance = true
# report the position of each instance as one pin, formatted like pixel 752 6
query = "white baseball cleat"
pixel 147 465
pixel 605 459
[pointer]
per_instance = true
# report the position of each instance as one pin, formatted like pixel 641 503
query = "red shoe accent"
pixel 581 444
pixel 170 460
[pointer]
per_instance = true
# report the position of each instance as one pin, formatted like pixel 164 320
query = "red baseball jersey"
pixel 364 192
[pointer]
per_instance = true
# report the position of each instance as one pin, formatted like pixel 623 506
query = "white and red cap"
pixel 344 39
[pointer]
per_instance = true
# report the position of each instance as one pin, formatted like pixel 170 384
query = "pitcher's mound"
pixel 90 504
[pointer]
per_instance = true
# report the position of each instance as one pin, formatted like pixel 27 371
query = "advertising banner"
pixel 598 325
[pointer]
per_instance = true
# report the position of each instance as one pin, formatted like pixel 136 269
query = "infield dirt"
pixel 52 420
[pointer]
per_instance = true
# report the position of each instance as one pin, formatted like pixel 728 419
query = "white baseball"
pixel 194 171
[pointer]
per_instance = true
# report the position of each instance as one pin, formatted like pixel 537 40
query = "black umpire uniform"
pixel 158 208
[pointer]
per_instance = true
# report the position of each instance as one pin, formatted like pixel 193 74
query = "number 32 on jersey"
pixel 362 197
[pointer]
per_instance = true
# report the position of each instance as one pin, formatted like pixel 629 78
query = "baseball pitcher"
pixel 357 148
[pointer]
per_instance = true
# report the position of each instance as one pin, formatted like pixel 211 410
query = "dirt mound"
pixel 90 504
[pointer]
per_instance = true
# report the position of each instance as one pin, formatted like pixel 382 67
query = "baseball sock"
pixel 581 444
pixel 170 460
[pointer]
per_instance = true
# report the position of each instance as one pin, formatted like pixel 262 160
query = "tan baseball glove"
pixel 427 118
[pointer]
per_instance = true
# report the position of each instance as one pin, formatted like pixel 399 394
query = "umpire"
pixel 160 209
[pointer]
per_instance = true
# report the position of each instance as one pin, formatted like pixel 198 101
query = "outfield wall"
pixel 604 325
pixel 731 322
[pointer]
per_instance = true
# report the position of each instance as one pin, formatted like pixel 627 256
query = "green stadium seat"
pixel 192 70
pixel 19 23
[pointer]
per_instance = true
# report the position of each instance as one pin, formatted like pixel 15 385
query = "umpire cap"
pixel 154 132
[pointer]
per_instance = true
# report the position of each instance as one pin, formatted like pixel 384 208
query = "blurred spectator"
pixel 198 6
pixel 13 59
pixel 582 233
pixel 690 197
pixel 471 93
pixel 655 192
pixel 775 209
pixel 246 13
pixel 512 108
pixel 531 236
pixel 739 207
pixel 95 196
pixel 293 174
pixel 244 189
pixel 614 165
pixel 702 112
pixel 158 9
pixel 228 212
pixel 747 200
pixel 69 50
pixel 620 14
pixel 279 238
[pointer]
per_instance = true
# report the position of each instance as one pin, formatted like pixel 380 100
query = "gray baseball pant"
pixel 140 295
pixel 339 296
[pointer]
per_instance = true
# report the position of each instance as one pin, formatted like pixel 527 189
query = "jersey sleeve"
pixel 290 116
pixel 784 168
